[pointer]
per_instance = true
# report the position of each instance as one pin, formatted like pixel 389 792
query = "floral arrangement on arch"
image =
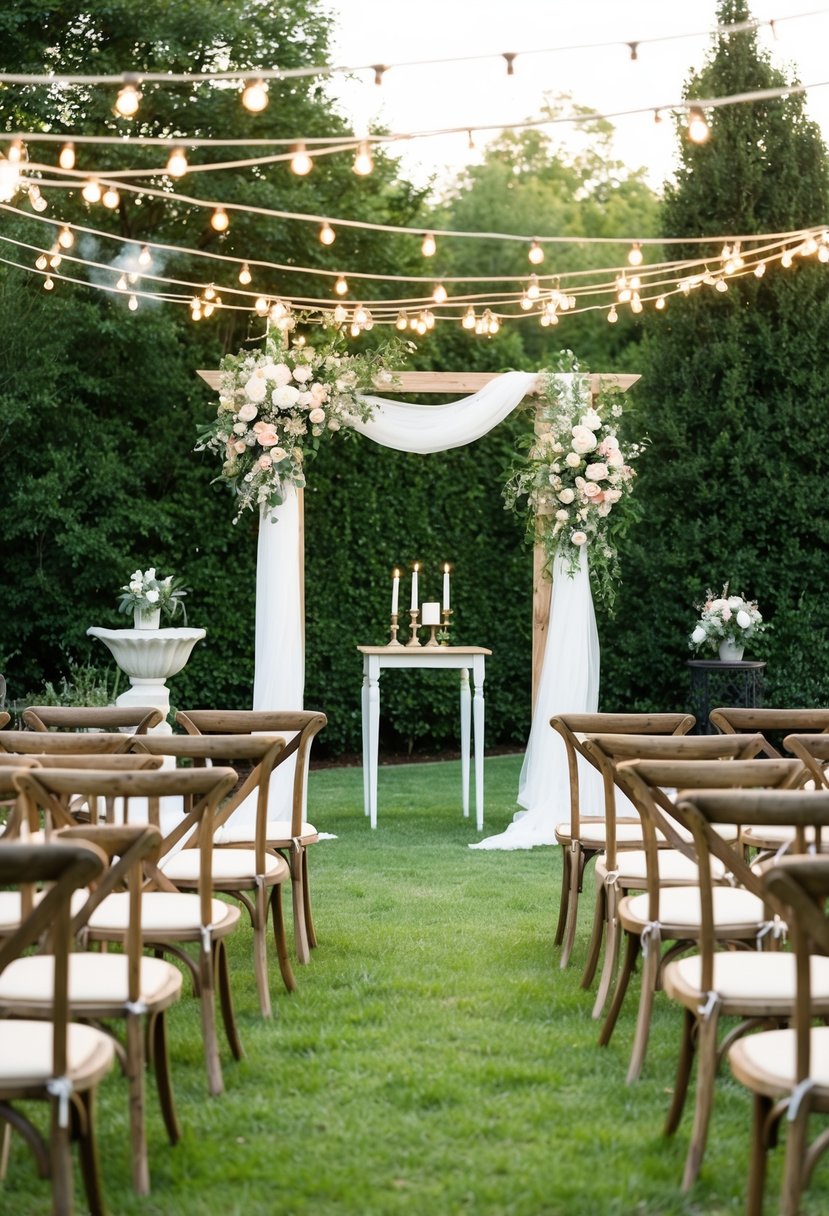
pixel 576 479
pixel 276 405
pixel 726 618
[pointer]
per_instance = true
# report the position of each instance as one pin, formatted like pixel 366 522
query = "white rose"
pixel 316 416
pixel 743 619
pixel 319 391
pixel 305 399
pixel 590 490
pixel 333 424
pixel 303 373
pixel 596 472
pixel 579 538
pixel 239 428
pixel 255 389
pixel 718 605
pixel 591 420
pixel 566 496
pixel 583 439
pixel 285 396
pixel 562 515
pixel 612 496
pixel 278 454
pixel 279 373
pixel 248 412
pixel 611 443
pixel 735 601
pixel 699 635
pixel 615 458
pixel 152 596
pixel 572 460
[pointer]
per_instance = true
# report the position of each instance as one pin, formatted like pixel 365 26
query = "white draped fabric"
pixel 571 667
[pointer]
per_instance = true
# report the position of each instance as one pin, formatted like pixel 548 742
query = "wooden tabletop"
pixel 420 650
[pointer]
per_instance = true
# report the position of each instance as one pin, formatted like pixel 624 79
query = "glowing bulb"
pixel 634 283
pixel 66 159
pixel 354 330
pixel 340 314
pixel 133 278
pixel 65 238
pixel 525 301
pixel 730 266
pixel 210 292
pixel 420 326
pixel 660 304
pixel 612 315
pixel 208 309
pixel 244 274
pixel 327 234
pixel 122 283
pixel 255 96
pixel 36 199
pixel 219 220
pixel 429 319
pixel 42 262
pixel 360 315
pixel 401 323
pixel 55 260
pixel 786 259
pixel 177 163
pixel 536 254
pixel 721 285
pixel 145 258
pixel 429 245
pixel 439 294
pixel 9 179
pixel 533 290
pixel 91 192
pixel 759 270
pixel 132 303
pixel 822 254
pixel 635 254
pixel 341 287
pixel 698 129
pixel 110 198
pixel 301 162
pixel 261 306
pixel 363 164
pixel 16 150
pixel 635 303
pixel 808 247
pixel 47 283
pixel 469 318
pixel 127 102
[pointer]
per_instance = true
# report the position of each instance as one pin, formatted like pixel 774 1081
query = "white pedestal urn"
pixel 730 651
pixel 149 657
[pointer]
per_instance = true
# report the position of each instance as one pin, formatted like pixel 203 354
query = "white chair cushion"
pixel 674 867
pixel 772 836
pixel 173 911
pixel 734 908
pixel 276 830
pixel 748 975
pixel 26 1051
pixel 93 979
pixel 227 864
pixel 769 1057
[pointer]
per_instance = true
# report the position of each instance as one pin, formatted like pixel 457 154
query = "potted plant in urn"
pixel 726 623
pixel 147 596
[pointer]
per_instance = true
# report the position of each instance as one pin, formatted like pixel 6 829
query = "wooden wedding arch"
pixel 473 382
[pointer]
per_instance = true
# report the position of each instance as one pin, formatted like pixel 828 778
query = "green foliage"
pixel 84 684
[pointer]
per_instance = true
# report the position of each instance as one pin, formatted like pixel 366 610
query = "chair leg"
pixel 207 964
pixel 281 940
pixel 5 1147
pixel 596 936
pixel 576 864
pixel 226 1002
pixel 795 1160
pixel 88 1155
pixel 706 1076
pixel 260 949
pixel 564 895
pixel 611 948
pixel 621 988
pixel 303 952
pixel 163 1076
pixel 759 1155
pixel 306 896
pixel 135 1083
pixel 650 978
pixel 683 1073
pixel 60 1160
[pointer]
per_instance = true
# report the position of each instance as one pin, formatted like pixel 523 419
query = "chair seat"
pixel 162 912
pixel 228 865
pixel 674 867
pixel 94 980
pixel 593 834
pixel 736 911
pixel 277 833
pixel 765 979
pixel 26 1053
pixel 765 1062
pixel 772 836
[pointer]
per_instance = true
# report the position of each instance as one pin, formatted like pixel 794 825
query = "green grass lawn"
pixel 434 1058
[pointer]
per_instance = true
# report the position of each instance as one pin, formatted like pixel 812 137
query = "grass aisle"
pixel 434 1060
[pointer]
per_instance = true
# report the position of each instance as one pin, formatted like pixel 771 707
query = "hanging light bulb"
pixel 808 247
pixel 612 315
pixel 244 274
pixel 91 192
pixel 195 309
pixel 301 162
pixel 16 152
pixel 721 285
pixel 494 325
pixel 66 159
pixel 55 260
pixel 42 262
pixel 623 292
pixel 327 234
pixel 341 287
pixel 255 96
pixel 469 318
pixel 219 220
pixel 360 315
pixel 47 283
pixel 429 245
pixel 36 199
pixel 132 303
pixel 363 164
pixel 177 163
pixel 208 308
pixel 759 270
pixel 261 306
pixel 9 179
pixel 533 290
pixel 525 302
pixel 420 325
pixel 786 258
pixel 110 198
pixel 822 254
pixel 402 321
pixel 127 102
pixel 698 128
pixel 634 282
pixel 429 318
pixel 210 292
pixel 133 277
pixel 635 254
pixel 635 303
pixel 145 258
pixel 536 254
pixel 661 304
pixel 439 294
pixel 122 283
pixel 340 315
pixel 354 330
pixel 65 237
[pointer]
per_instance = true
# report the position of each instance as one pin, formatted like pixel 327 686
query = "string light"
pixel 122 283
pixel 536 254
pixel 525 302
pixel 469 318
pixel 327 234
pixel 341 286
pixel 429 245
pixel 439 295
pixel 533 289
pixel 340 315
pixel 379 69
pixel 219 220
pixel 16 151
pixel 721 285
pixel 635 254
pixel 255 96
pixel 177 163
pixel 363 164
pixel 65 237
pixel 301 162
pixel 612 315
pixel 261 306
pixel 823 253
pixel 661 304
pixel 47 283
pixel 759 270
pixel 145 258
pixel 36 199
pixel 698 128
pixel 634 50
pixel 127 102
pixel 245 275
pixel 42 262
pixel 55 260
pixel 132 303
pixel 786 258
pixel 111 198
pixel 402 321
pixel 91 192
pixel 635 303
pixel 9 179
pixel 510 57
pixel 66 159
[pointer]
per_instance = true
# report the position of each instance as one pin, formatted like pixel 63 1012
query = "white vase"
pixel 730 651
pixel 146 618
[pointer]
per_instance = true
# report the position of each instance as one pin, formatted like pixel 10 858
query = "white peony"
pixel 579 538
pixel 316 416
pixel 699 635
pixel 583 439
pixel 255 388
pixel 572 460
pixel 303 373
pixel 596 472
pixel 285 396
pixel 566 496
pixel 590 420
pixel 743 619
pixel 248 412
pixel 151 596
pixel 279 373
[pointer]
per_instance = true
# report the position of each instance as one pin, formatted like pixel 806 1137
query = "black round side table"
pixel 714 682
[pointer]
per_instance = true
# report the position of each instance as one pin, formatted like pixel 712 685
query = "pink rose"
pixel 248 412
pixel 596 472
pixel 316 416
pixel 615 458
pixel 265 461
pixel 239 447
pixel 267 437
pixel 590 490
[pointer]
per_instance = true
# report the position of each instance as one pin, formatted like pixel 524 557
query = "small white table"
pixel 459 658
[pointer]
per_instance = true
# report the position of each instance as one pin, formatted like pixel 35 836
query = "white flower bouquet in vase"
pixel 726 623
pixel 147 596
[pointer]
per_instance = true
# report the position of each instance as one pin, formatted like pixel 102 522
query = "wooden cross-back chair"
pixel 253 875
pixel 57 1061
pixel 623 869
pixel 129 987
pixel 671 914
pixel 786 1069
pixel 5 718
pixel 136 719
pixel 287 832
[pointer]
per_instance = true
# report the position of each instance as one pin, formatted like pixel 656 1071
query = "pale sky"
pixel 460 94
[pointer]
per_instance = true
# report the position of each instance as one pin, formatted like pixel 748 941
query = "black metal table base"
pixel 715 683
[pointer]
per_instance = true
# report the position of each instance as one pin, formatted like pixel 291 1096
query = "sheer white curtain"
pixel 571 658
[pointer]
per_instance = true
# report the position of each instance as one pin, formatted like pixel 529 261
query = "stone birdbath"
pixel 149 657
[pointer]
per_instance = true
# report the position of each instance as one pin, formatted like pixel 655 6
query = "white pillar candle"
pixel 446 587
pixel 395 591
pixel 431 613
pixel 413 604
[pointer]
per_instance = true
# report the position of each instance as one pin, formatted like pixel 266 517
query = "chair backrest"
pixel 137 719
pixel 772 723
pixel 63 743
pixel 4 719
pixel 301 727
pixel 813 750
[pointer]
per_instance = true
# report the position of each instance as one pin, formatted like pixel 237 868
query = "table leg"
pixel 478 721
pixel 373 738
pixel 466 702
pixel 366 798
